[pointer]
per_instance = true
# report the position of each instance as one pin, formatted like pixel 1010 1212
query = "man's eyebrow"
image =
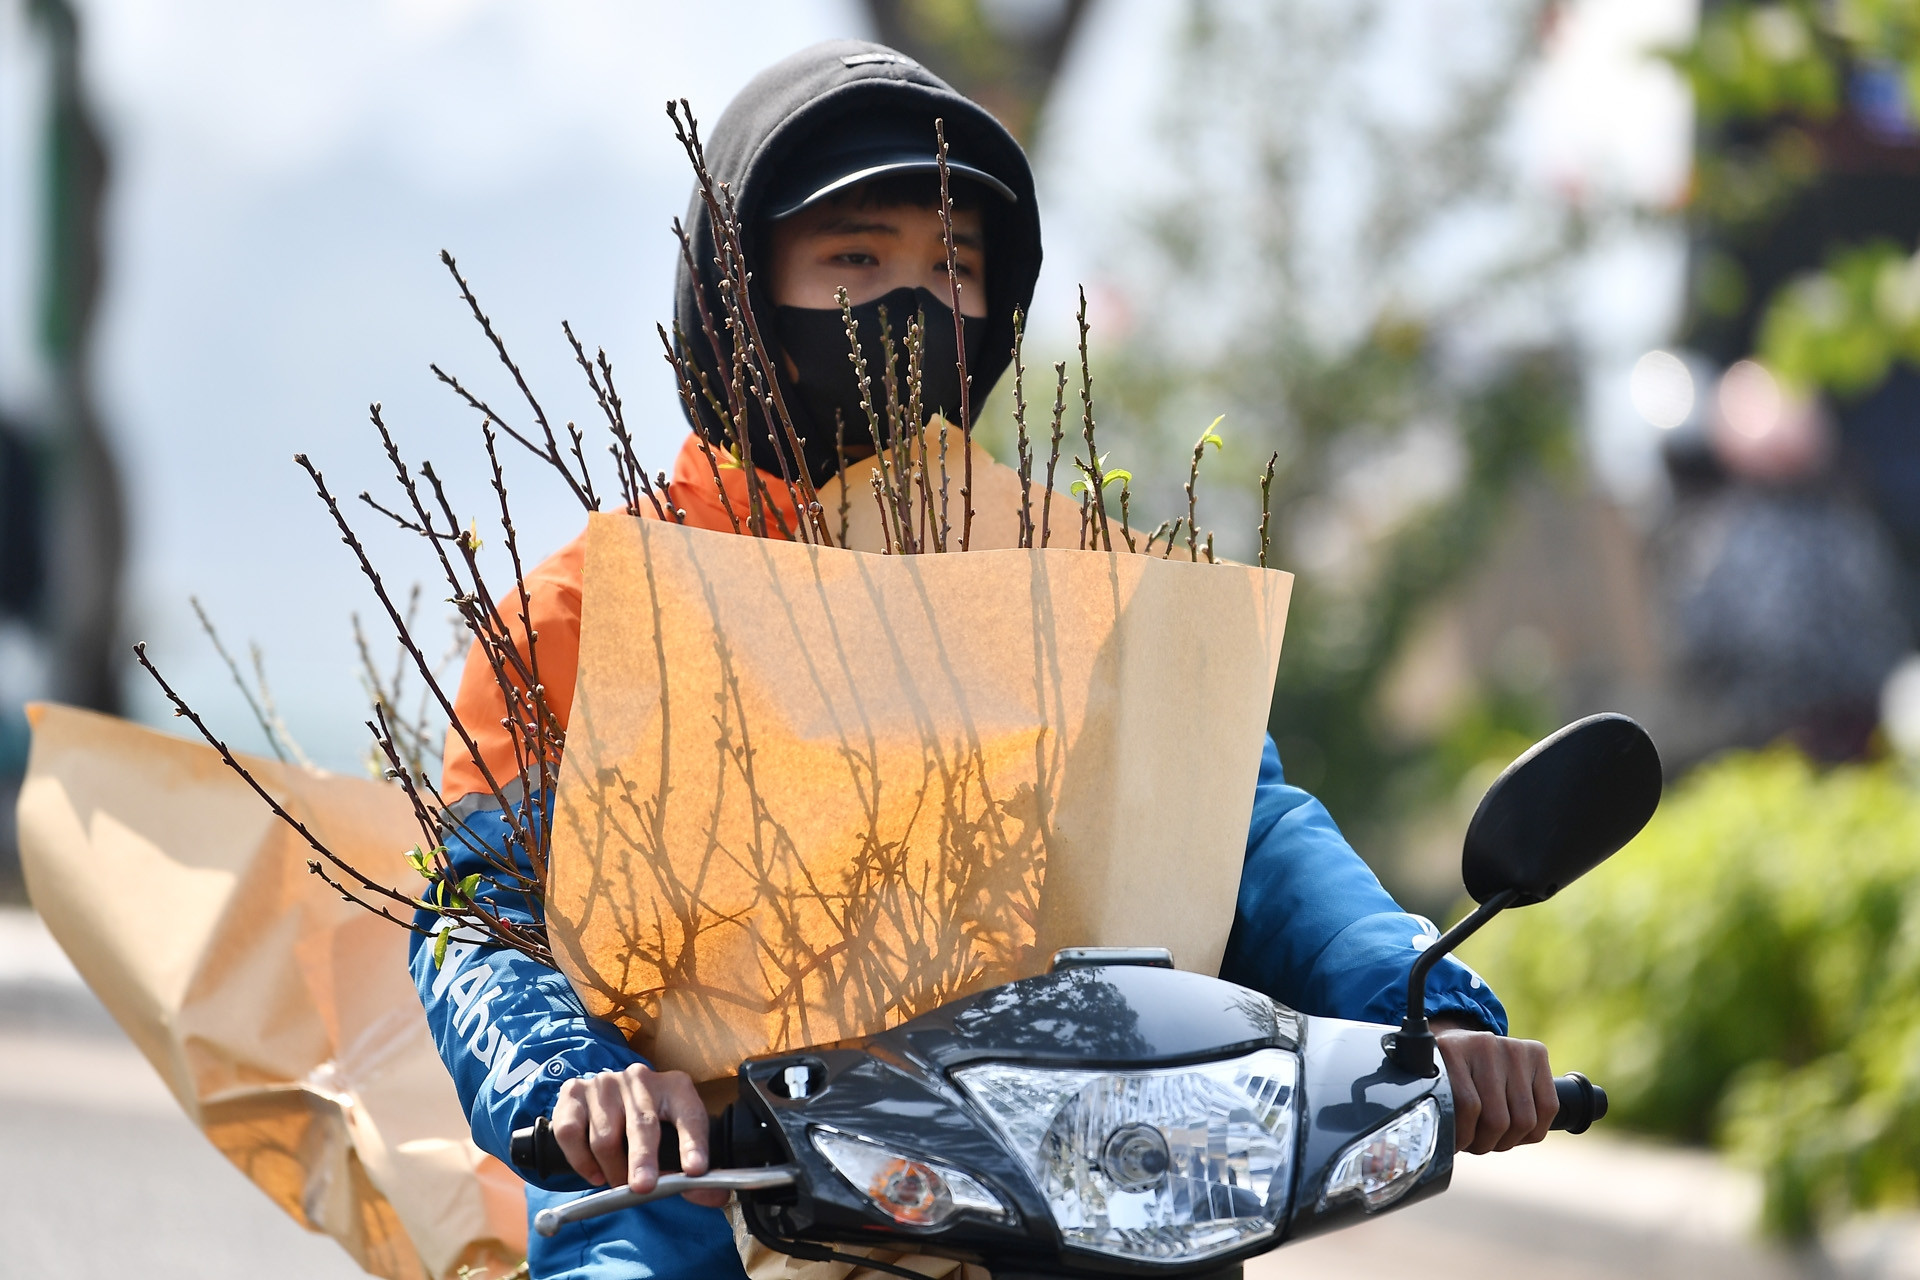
pixel 854 225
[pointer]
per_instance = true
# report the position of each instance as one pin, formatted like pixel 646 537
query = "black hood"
pixel 779 113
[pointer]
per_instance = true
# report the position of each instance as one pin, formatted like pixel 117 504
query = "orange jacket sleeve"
pixel 553 592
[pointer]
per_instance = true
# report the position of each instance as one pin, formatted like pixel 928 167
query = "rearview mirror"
pixel 1561 809
pixel 1551 816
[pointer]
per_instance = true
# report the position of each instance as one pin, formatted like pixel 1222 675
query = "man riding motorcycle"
pixel 829 156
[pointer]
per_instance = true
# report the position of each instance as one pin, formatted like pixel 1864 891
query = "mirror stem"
pixel 1411 1048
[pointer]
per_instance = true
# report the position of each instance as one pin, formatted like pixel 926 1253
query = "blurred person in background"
pixel 1782 590
pixel 1790 560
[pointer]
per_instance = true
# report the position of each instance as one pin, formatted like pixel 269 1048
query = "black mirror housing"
pixel 1566 805
pixel 1561 809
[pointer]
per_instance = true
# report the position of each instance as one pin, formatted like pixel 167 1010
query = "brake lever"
pixel 549 1221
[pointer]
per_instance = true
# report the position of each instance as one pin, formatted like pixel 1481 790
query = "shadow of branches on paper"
pixel 771 889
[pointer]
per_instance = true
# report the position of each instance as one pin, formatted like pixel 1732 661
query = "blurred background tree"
pixel 1351 267
pixel 1809 167
pixel 62 525
pixel 1004 54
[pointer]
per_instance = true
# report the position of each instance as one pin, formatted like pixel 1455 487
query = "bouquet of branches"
pixel 943 833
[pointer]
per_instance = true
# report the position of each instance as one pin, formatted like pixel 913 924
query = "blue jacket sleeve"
pixel 510 1029
pixel 1314 929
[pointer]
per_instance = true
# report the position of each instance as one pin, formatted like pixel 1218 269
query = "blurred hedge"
pixel 1747 972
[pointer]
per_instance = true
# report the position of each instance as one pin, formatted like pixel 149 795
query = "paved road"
pixel 102 1178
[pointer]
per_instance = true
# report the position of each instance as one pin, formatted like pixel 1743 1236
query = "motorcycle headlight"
pixel 1384 1165
pixel 912 1191
pixel 1174 1164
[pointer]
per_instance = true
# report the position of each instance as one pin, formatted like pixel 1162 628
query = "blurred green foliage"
pixel 1769 81
pixel 1747 972
pixel 1005 57
pixel 1757 60
pixel 1844 327
pixel 1344 635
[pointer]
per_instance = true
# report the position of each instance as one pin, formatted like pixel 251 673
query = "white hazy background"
pixel 285 175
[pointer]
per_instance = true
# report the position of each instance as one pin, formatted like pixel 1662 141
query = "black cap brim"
pixel 820 186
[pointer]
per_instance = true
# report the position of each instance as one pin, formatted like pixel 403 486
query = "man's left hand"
pixel 1502 1088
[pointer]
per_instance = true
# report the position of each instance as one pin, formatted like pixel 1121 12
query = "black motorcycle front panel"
pixel 894 1088
pixel 1106 1015
pixel 1348 1090
pixel 902 1105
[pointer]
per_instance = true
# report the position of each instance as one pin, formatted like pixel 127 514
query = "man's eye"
pixel 857 259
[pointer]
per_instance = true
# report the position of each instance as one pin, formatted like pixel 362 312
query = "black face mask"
pixel 816 341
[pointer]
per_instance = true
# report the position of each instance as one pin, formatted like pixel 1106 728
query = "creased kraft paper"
pixel 282 1018
pixel 809 793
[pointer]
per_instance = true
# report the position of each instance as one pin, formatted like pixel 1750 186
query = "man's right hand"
pixel 610 1124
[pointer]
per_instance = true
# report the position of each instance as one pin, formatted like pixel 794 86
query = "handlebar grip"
pixel 1582 1102
pixel 536 1151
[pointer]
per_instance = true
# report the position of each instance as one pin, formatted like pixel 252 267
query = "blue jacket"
pixel 1312 928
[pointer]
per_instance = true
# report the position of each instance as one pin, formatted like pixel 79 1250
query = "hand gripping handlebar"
pixel 535 1151
pixel 734 1138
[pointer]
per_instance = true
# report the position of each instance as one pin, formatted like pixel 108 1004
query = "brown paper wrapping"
pixel 996 500
pixel 809 793
pixel 282 1018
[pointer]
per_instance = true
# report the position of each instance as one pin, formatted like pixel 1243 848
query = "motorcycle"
pixel 1118 1117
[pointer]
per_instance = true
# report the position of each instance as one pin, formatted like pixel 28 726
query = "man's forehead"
pixel 853 222
pixel 887 220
